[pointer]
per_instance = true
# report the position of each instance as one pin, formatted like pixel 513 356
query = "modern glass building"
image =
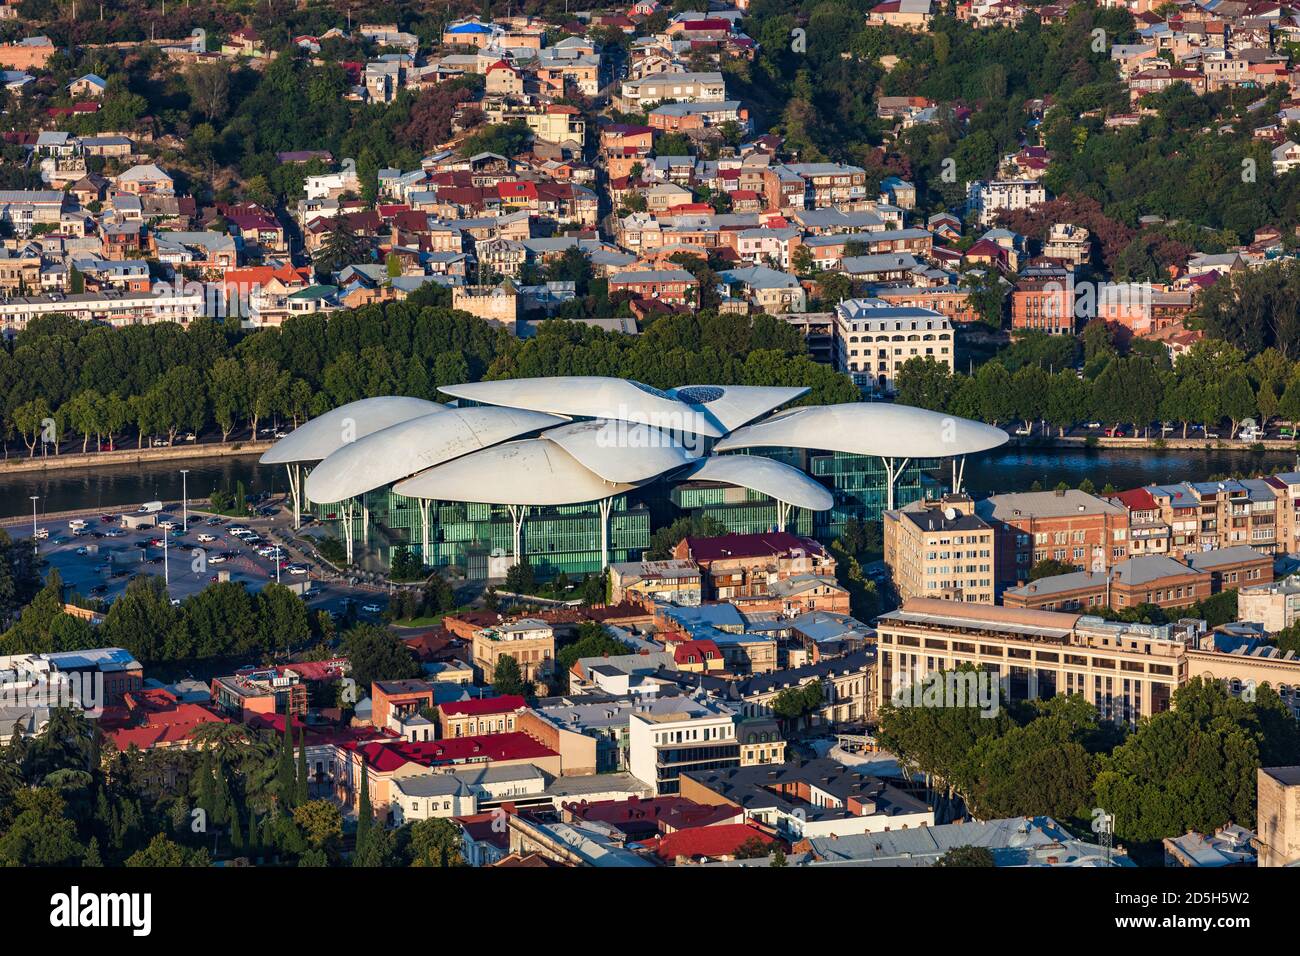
pixel 571 473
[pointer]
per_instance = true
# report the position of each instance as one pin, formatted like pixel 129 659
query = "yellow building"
pixel 941 549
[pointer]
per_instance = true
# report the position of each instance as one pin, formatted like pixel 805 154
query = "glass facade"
pixel 467 536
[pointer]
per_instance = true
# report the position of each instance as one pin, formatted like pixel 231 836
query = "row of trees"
pixel 1211 383
pixel 222 620
pixel 1191 767
pixel 65 376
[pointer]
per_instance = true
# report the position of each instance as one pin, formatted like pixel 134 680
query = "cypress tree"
pixel 300 793
pixel 236 831
pixel 364 814
pixel 284 783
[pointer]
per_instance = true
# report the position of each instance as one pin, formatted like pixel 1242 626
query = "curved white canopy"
pixel 869 428
pixel 590 396
pixel 772 478
pixel 533 471
pixel 621 451
pixel 319 438
pixel 408 447
pixel 730 406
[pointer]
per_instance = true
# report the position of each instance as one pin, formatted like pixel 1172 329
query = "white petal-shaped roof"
pixel 319 438
pixel 621 451
pixel 533 471
pixel 408 447
pixel 869 428
pixel 772 478
pixel 730 406
pixel 590 396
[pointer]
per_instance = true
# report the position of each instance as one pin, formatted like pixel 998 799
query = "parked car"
pixel 207 537
pixel 371 608
pixel 42 533
pixel 160 443
pixel 168 525
pixel 296 569
pixel 1115 432
pixel 216 559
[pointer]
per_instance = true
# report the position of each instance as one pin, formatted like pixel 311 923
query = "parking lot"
pixel 99 558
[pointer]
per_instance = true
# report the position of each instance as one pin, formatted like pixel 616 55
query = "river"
pixel 1007 469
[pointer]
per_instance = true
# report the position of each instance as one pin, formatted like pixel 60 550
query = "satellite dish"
pixel 950 513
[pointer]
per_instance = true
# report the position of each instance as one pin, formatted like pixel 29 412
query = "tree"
pixel 342 247
pixel 435 842
pixel 794 704
pixel 41 834
pixel 519 578
pixel 967 856
pixel 163 852
pixel 1050 567
pixel 376 654
pixel 507 677
pixel 209 88
pixel 321 822
pixel 1194 766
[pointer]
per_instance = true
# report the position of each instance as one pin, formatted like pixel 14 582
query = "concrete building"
pixel 874 338
pixel 1152 579
pixel 529 641
pixel 672 581
pixel 1277 813
pixel 1275 605
pixel 1128 671
pixel 1068 526
pixel 941 549
pixel 698 735
pixel 813 798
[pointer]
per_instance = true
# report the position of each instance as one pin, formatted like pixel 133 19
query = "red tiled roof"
pixel 722 840
pixel 504 704
pixel 693 652
pixel 749 545
pixel 386 757
pixel 1137 499
pixel 152 717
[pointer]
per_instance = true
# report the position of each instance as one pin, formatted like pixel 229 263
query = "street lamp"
pixel 185 507
pixel 36 544
pixel 167 578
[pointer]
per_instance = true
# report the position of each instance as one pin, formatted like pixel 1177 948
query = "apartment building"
pixel 812 798
pixel 985 200
pixel 529 641
pixel 700 735
pixel 1189 517
pixel 1068 243
pixel 637 95
pixel 742 565
pixel 1128 671
pixel 831 184
pixel 874 338
pixel 109 306
pixel 1275 605
pixel 941 549
pixel 675 582
pixel 1043 301
pixel 1069 526
pixel 1151 579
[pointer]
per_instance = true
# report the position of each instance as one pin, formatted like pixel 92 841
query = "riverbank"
pixel 132 456
pixel 1157 444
